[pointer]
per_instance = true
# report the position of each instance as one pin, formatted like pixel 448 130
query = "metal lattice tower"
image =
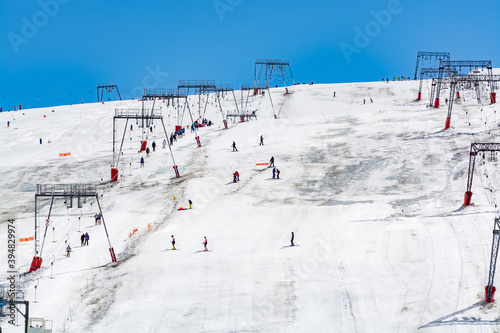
pixel 457 68
pixel 428 58
pixel 272 68
pixel 490 289
pixel 200 87
pixel 146 117
pixel 475 148
pixel 219 90
pixel 472 80
pixel 67 192
pixel 429 73
pixel 109 88
pixel 255 89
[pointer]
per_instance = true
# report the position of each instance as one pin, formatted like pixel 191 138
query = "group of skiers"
pixel 276 172
pixel 84 240
pixel 148 151
pixel 400 78
pixel 205 242
pixel 173 137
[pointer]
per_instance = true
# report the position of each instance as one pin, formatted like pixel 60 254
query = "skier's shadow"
pixel 455 319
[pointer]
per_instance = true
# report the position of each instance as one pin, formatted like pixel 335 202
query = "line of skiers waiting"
pixel 400 78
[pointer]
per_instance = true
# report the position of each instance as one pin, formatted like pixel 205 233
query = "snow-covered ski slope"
pixel 373 192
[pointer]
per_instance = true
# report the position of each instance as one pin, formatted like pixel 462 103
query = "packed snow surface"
pixel 373 191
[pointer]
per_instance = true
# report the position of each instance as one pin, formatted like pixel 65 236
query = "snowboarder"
pixel 277 173
pixel 173 242
pixel 82 239
pixel 291 241
pixel 147 152
pixel 164 144
pixel 154 146
pixel 68 251
pixel 142 162
pixel 274 173
pixel 190 204
pixel 271 162
pixel 205 243
pixel 234 146
pixel 87 237
pixel 261 140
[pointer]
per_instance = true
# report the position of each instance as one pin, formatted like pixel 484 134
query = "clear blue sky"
pixel 54 52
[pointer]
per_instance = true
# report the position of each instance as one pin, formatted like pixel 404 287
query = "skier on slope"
pixel 164 144
pixel 190 204
pixel 291 241
pixel 82 239
pixel 236 176
pixel 277 173
pixel 261 140
pixel 274 173
pixel 173 242
pixel 147 152
pixel 154 146
pixel 142 162
pixel 68 251
pixel 87 237
pixel 271 162
pixel 205 243
pixel 234 146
